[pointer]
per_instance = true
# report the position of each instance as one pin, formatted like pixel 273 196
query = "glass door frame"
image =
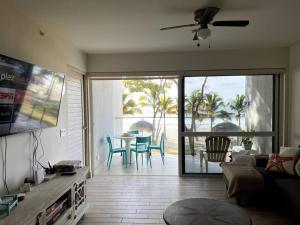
pixel 93 76
pixel 276 114
pixel 280 112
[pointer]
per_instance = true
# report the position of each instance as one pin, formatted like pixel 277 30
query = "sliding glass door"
pixel 243 108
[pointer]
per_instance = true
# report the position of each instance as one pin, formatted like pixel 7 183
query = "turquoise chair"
pixel 133 132
pixel 141 147
pixel 114 150
pixel 160 147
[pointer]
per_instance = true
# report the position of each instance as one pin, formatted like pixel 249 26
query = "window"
pixel 236 106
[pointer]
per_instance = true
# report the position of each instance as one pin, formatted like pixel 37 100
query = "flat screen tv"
pixel 30 96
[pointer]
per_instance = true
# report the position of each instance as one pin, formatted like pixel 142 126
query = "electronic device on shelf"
pixel 67 167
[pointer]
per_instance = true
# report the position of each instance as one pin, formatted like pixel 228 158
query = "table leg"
pixel 127 147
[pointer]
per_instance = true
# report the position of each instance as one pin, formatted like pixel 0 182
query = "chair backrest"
pixel 143 140
pixel 217 148
pixel 133 132
pixel 108 139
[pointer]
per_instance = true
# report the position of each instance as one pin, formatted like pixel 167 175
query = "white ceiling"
pixel 125 26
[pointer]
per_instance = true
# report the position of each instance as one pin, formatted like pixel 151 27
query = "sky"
pixel 226 86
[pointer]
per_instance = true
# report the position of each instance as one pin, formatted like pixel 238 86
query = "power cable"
pixel 4 163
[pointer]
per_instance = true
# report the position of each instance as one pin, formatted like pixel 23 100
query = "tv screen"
pixel 30 96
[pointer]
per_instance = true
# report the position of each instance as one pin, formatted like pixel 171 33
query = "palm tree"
pixel 151 92
pixel 213 103
pixel 194 106
pixel 129 105
pixel 238 105
pixel 167 107
pixel 151 98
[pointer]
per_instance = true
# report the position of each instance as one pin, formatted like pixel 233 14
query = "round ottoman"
pixel 202 211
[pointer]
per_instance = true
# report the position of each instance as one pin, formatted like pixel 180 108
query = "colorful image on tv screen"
pixel 30 96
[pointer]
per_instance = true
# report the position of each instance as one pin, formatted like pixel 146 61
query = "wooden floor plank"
pixel 133 200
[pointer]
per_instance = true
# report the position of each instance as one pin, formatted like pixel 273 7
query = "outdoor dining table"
pixel 127 139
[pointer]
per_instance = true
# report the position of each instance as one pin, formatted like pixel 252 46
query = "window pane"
pixel 228 103
pixel 195 150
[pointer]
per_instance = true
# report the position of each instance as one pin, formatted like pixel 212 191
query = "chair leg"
pixel 149 156
pixel 162 156
pixel 201 159
pixel 121 147
pixel 206 165
pixel 108 158
pixel 125 158
pixel 136 161
pixel 130 157
pixel 111 155
pixel 142 158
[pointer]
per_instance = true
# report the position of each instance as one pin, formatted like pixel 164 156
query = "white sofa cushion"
pixel 289 151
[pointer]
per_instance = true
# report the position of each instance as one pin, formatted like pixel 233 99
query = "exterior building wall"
pixel 293 118
pixel 259 91
pixel 107 106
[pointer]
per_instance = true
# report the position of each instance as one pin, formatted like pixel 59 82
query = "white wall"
pixel 208 60
pixel 107 107
pixel 258 116
pixel 294 118
pixel 19 38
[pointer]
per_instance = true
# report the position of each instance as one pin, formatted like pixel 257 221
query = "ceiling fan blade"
pixel 180 26
pixel 231 23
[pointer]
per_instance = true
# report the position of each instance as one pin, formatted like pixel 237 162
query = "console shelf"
pixel 66 190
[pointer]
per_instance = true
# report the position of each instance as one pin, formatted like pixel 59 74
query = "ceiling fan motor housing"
pixel 205 15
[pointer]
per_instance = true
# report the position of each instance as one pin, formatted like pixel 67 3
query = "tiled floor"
pixel 117 168
pixel 134 200
pixel 192 164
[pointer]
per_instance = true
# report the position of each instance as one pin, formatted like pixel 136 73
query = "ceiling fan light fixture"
pixel 204 33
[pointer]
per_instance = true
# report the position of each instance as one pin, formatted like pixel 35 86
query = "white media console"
pixel 60 201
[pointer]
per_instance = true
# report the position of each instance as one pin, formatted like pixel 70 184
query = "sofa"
pixel 283 189
pixel 270 187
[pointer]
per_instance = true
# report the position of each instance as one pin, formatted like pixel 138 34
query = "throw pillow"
pixel 281 163
pixel 297 167
pixel 290 151
pixel 247 159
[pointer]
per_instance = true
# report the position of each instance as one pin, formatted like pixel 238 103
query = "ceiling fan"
pixel 204 17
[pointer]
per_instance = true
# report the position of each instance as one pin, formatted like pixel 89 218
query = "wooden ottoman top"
pixel 202 211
